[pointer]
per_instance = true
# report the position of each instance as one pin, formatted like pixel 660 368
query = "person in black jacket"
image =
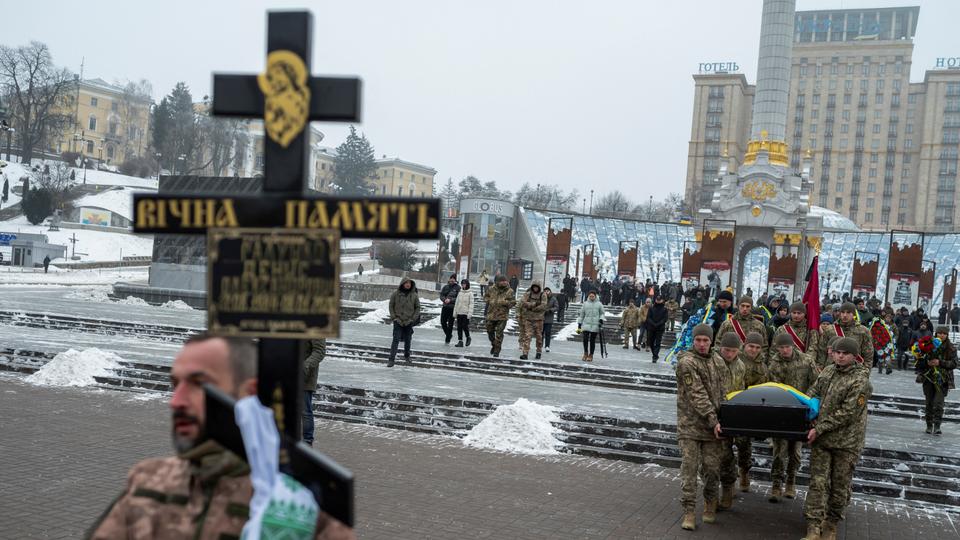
pixel 448 296
pixel 656 323
pixel 722 310
pixel 514 284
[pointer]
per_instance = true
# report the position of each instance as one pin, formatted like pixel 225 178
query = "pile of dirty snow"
pixel 76 368
pixel 524 427
pixel 567 332
pixel 176 304
pixel 375 316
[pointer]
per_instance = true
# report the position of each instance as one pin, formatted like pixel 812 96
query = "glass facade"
pixel 491 243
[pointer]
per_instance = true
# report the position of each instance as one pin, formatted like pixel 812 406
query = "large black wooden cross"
pixel 287 98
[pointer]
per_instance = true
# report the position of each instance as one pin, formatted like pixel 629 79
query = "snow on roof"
pixel 117 200
pixel 832 221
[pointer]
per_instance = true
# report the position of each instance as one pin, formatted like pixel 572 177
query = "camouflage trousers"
pixel 785 453
pixel 831 476
pixel 495 333
pixel 630 337
pixel 531 329
pixel 729 462
pixel 703 457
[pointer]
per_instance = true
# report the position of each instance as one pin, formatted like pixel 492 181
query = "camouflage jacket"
pixel 630 318
pixel 856 331
pixel 532 306
pixel 755 371
pixel 798 371
pixel 700 389
pixel 167 499
pixel 499 301
pixel 843 393
pixel 810 338
pixel 747 324
pixel 733 376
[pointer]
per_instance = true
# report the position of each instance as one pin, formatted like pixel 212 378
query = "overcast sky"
pixel 586 95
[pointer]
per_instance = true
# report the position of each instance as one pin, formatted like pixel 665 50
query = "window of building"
pixel 113 106
pixel 816 99
pixel 876 128
pixel 864 85
pixel 846 115
pixel 813 128
pixel 90 147
pixel 895 100
pixel 849 69
pixel 841 173
pixel 896 85
pixel 93 101
pixel 716 91
pixel 906 145
pixel 881 69
pixel 814 113
pixel 878 99
pixel 843 144
pixel 832 85
pixel 871 187
pixel 872 173
pixel 110 151
pixel 92 123
pixel 865 69
pixel 868 217
pixel 803 71
pixel 259 161
pixel 838 202
pixel 847 99
pixel 839 187
pixel 113 126
pixel 912 99
pixel 844 128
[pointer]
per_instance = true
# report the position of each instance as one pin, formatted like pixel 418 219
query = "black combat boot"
pixel 390 362
pixel 929 428
pixel 459 344
pixel 538 356
pixel 468 341
pixel 936 429
pixel 523 357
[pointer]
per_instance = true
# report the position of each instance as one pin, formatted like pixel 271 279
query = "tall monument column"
pixel 769 126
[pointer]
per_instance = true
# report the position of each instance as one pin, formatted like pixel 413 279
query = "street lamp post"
pixel 591 202
pixel 100 151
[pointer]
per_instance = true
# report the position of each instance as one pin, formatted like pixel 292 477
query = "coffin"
pixel 765 411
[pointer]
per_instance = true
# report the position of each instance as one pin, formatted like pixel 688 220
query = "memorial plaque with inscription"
pixel 274 283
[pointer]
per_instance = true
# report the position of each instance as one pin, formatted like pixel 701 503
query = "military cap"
pixel 703 330
pixel 848 307
pixel 730 341
pixel 833 342
pixel 782 339
pixel 798 306
pixel 755 338
pixel 745 300
pixel 847 345
pixel 499 278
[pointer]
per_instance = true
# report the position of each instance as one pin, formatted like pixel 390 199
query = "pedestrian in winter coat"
pixel 463 310
pixel 316 352
pixel 405 314
pixel 483 281
pixel 904 341
pixel 656 323
pixel 955 317
pixel 448 297
pixel 935 372
pixel 553 301
pixel 499 299
pixel 642 324
pixel 629 321
pixel 360 270
pixel 514 284
pixel 562 301
pixel 533 305
pixel 672 308
pixel 590 323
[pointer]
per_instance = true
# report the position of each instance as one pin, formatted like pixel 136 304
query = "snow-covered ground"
pixel 76 368
pixel 16 275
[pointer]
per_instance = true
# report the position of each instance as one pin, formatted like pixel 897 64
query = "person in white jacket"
pixel 463 310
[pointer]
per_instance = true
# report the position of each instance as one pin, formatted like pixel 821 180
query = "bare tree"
pixel 613 204
pixel 222 141
pixel 38 94
pixel 57 178
pixel 135 111
pixel 547 196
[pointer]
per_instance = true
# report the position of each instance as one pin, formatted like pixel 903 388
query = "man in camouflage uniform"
pixel 742 323
pixel 848 327
pixel 734 371
pixel 837 438
pixel 788 366
pixel 531 309
pixel 204 491
pixel 629 321
pixel 699 393
pixel 754 373
pixel 805 340
pixel 499 299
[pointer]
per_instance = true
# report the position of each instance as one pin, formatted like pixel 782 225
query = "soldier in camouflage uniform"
pixel 804 339
pixel 629 321
pixel 499 299
pixel 204 491
pixel 847 327
pixel 742 323
pixel 699 393
pixel 734 371
pixel 836 439
pixel 755 372
pixel 788 366
pixel 531 309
